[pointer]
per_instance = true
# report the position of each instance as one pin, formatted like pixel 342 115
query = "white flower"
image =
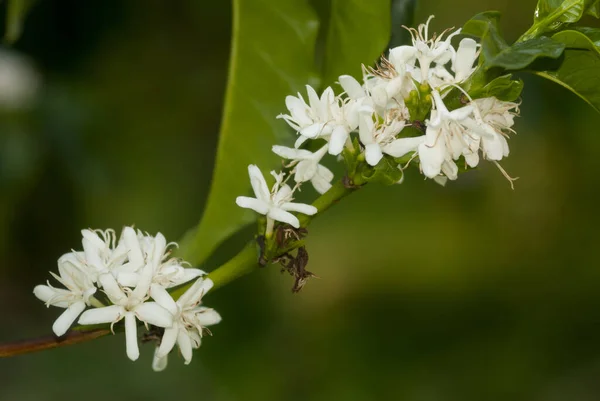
pixel 277 204
pixel 129 305
pixel 497 118
pixel 446 139
pixel 74 299
pixel 307 167
pixel 434 50
pixel 379 139
pixel 310 120
pixel 189 320
pixel 325 117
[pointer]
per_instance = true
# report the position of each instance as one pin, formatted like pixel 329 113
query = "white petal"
pixel 373 153
pixel 259 185
pixel 305 170
pixel 185 346
pixel 193 294
pixel 379 94
pixel 207 316
pixel 163 298
pixel 168 341
pixel 464 59
pixel 154 314
pixel 128 279
pixel 159 363
pixel 301 139
pixel 44 293
pixel 107 314
pixel 401 55
pixel 283 216
pixel 111 288
pixel 284 194
pixel 365 130
pixel 321 184
pixel 93 239
pixel 259 206
pixel 66 319
pixel 402 146
pixel 291 153
pixel 450 169
pixel 132 243
pixel 494 147
pixel 160 247
pixel 431 158
pixel 472 159
pixel 338 139
pixel 133 351
pixel 351 86
pixel 461 113
pixel 324 172
pixel 142 288
pixel 189 274
pixel 299 207
pixel 314 130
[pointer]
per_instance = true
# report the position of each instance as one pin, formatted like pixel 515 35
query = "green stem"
pixel 339 190
pixel 240 265
pixel 246 261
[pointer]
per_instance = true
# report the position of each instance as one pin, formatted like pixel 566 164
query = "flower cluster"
pixel 117 279
pixel 412 107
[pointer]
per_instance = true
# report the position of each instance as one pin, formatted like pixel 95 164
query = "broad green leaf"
pixel 15 16
pixel 485 27
pixel 272 56
pixel 580 70
pixel 581 38
pixel 503 87
pixel 522 54
pixel 495 52
pixel 552 15
pixel 403 13
pixel 358 33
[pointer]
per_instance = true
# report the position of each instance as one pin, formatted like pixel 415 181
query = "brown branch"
pixel 40 344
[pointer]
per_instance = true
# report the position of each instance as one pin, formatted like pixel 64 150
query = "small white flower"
pixel 431 50
pixel 277 204
pixel 129 305
pixel 307 166
pixel 189 321
pixel 310 120
pixel 379 139
pixel 74 299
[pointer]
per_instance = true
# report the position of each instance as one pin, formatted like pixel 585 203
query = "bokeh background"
pixel 471 292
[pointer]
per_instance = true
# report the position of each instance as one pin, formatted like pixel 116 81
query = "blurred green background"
pixel 469 292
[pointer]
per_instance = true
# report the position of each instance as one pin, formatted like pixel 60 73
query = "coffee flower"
pixel 118 279
pixel 275 204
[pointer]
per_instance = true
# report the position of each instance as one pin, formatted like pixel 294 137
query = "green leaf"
pixel 552 15
pixel 403 13
pixel 385 172
pixel 485 27
pixel 272 56
pixel 594 9
pixel 580 38
pixel 522 54
pixel 15 15
pixel 580 69
pixel 358 33
pixel 504 88
pixel 495 52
